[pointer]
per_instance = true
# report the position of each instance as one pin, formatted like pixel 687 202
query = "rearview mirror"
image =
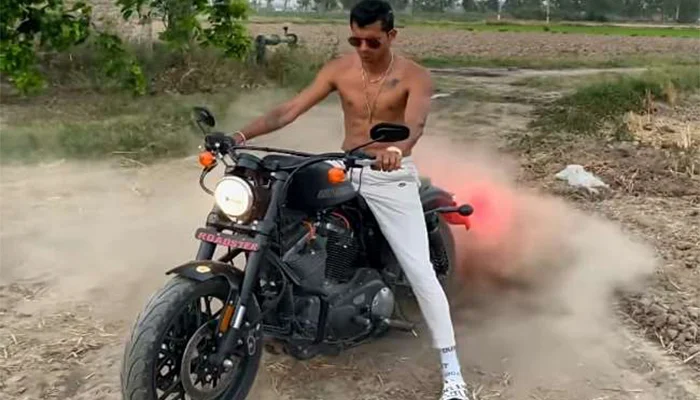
pixel 203 115
pixel 386 132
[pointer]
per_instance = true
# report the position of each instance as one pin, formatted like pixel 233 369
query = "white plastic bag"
pixel 577 176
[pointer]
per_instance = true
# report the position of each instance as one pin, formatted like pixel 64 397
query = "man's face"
pixel 371 42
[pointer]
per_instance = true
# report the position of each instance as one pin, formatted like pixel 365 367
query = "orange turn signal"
pixel 336 175
pixel 206 159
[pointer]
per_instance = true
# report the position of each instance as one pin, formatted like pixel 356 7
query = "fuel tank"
pixel 311 189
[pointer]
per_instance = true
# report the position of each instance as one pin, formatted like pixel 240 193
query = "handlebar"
pixel 365 162
pixel 356 159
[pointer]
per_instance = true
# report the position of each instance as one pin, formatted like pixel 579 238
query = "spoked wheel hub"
pixel 201 379
pixel 185 371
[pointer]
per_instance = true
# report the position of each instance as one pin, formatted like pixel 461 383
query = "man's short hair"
pixel 367 12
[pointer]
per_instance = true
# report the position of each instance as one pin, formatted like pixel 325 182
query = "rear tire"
pixel 406 302
pixel 448 242
pixel 139 377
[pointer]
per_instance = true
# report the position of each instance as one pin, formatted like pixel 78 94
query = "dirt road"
pixel 83 245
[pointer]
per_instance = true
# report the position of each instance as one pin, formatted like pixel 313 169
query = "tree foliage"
pixel 26 25
pixel 433 5
pixel 397 5
pixel 325 5
pixel 31 26
pixel 685 11
pixel 183 28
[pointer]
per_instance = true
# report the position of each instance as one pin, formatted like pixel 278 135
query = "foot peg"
pixel 392 323
pixel 400 325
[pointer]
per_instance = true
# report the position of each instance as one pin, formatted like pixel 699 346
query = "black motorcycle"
pixel 319 277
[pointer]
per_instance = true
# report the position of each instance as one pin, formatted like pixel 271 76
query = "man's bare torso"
pixel 390 94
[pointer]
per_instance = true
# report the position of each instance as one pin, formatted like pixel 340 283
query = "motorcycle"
pixel 318 277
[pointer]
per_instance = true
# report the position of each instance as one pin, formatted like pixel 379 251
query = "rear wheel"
pixel 444 253
pixel 166 355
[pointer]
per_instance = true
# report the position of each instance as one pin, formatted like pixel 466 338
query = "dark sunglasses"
pixel 371 43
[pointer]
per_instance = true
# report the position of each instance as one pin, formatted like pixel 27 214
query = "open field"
pixel 88 229
pixel 521 26
pixel 440 46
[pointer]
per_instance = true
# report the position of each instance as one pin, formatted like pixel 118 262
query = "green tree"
pixel 325 5
pixel 472 5
pixel 687 11
pixel 397 5
pixel 304 5
pixel 532 9
pixel 433 5
pixel 183 29
pixel 27 26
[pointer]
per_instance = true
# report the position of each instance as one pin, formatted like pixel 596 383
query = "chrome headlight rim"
pixel 246 194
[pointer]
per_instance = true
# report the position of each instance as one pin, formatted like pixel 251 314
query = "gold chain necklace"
pixel 370 110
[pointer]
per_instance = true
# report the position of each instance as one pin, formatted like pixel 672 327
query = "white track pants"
pixel 394 200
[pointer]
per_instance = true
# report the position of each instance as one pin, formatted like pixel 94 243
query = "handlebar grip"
pixel 365 162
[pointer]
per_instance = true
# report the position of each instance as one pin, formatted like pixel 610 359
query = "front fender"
pixel 208 269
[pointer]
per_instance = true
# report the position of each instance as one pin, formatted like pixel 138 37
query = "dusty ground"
pixel 83 245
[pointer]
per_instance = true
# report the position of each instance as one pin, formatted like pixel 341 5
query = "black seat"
pixel 432 196
pixel 425 184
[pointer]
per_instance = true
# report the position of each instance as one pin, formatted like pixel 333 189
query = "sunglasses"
pixel 371 42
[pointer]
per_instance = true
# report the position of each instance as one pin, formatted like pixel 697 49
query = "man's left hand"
pixel 388 160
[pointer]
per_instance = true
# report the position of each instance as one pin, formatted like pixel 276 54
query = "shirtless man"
pixel 377 86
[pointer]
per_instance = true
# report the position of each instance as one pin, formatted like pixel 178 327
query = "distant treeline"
pixel 683 11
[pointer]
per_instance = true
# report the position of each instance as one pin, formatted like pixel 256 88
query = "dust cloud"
pixel 99 234
pixel 536 277
pixel 104 235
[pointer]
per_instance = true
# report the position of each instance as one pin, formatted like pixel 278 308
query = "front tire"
pixel 153 349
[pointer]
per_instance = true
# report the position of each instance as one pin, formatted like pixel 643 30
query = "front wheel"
pixel 178 324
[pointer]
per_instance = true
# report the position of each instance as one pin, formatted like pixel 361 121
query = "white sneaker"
pixel 455 391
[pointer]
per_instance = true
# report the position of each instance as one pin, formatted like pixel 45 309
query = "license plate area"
pixel 226 240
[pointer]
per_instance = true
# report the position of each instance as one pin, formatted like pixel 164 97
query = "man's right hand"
pixel 387 160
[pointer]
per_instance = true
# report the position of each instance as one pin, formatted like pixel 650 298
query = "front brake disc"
pixel 196 368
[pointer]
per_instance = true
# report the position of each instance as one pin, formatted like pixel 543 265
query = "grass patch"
pixel 548 83
pixel 200 70
pixel 141 129
pixel 590 108
pixel 85 116
pixel 294 68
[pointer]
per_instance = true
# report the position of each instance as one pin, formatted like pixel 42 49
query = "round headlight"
pixel 233 196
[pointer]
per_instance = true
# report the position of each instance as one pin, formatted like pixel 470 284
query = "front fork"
pixel 230 332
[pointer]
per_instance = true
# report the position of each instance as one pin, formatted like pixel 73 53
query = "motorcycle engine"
pixel 327 258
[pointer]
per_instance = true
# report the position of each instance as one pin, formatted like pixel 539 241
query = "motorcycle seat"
pixel 425 184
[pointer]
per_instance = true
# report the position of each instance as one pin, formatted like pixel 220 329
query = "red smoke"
pixel 511 230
